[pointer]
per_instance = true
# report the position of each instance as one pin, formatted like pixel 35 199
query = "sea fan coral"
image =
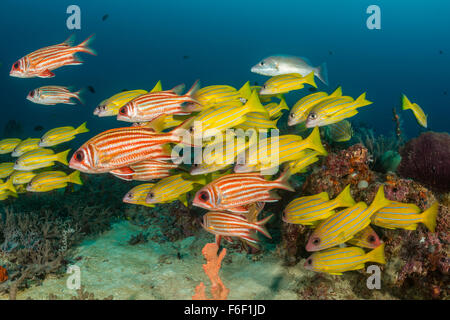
pixel 427 159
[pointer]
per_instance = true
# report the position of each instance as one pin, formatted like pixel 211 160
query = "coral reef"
pixel 212 268
pixel 82 294
pixel 3 274
pixel 427 159
pixel 139 238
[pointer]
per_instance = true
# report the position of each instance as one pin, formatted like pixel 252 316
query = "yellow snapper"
pixel 338 260
pixel 217 119
pixel 286 83
pixel 222 94
pixel 302 107
pixel 6 194
pixel 51 180
pixel 285 148
pixel 225 149
pixel 40 158
pixel 275 109
pixel 111 106
pixel 343 225
pixel 405 216
pixel 341 131
pixel 172 188
pixel 257 121
pixel 138 194
pixel 334 110
pixel 421 117
pixel 366 238
pixel 267 97
pixel 299 166
pixel 311 209
pixel 22 177
pixel 25 146
pixel 8 145
pixel 6 168
pixel 62 134
pixel 8 185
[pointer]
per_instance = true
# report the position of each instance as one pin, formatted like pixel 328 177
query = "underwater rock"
pixel 427 159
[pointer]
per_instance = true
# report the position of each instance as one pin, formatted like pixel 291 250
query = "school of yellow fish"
pixel 236 173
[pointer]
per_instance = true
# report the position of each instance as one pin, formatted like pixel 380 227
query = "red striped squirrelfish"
pixel 121 147
pixel 233 192
pixel 145 170
pixel 40 63
pixel 223 224
pixel 154 104
pixel 52 95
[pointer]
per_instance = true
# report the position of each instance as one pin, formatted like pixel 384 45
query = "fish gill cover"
pixel 141 139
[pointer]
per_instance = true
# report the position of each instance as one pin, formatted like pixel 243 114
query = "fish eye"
pixel 123 111
pixel 261 63
pixel 312 116
pixel 371 239
pixel 150 195
pixel 263 86
pixel 195 165
pixel 79 156
pixel 309 261
pixel 191 129
pixel 316 241
pixel 16 65
pixel 32 93
pixel 130 195
pixel 291 115
pixel 204 196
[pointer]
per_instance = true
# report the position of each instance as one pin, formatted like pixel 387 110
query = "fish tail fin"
pixel 62 157
pixel 157 87
pixel 195 87
pixel 253 104
pixel 337 92
pixel 262 228
pixel 79 95
pixel 74 177
pixel 85 45
pixel 309 79
pixel 314 142
pixel 377 255
pixel 245 91
pixel 322 73
pixel 10 186
pixel 345 199
pixel 362 101
pixel 429 216
pixel 82 128
pixel 283 105
pixel 283 181
pixel 379 201
pixel 406 104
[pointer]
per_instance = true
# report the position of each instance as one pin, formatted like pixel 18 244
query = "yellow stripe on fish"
pixel 420 115
pixel 51 180
pixel 6 169
pixel 300 110
pixel 211 96
pixel 366 238
pixel 311 209
pixel 341 131
pixel 6 194
pixel 257 121
pixel 138 194
pixel 287 82
pixel 343 225
pixel 40 158
pixel 275 109
pixel 268 97
pixel 405 216
pixel 110 107
pixel 334 110
pixel 22 177
pixel 161 123
pixel 338 260
pixel 8 145
pixel 25 146
pixel 299 166
pixel 173 188
pixel 8 185
pixel 59 135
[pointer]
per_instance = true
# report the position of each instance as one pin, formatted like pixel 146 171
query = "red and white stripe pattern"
pixel 146 170
pixel 121 147
pixel 41 62
pixel 150 106
pixel 224 224
pixel 234 192
pixel 51 95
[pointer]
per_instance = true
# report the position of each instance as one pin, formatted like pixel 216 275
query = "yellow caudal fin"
pixel 9 185
pixel 377 255
pixel 309 79
pixel 361 100
pixel 254 105
pixel 157 87
pixel 245 92
pixel 345 199
pixel 74 177
pixel 183 199
pixel 157 124
pixel 429 216
pixel 62 157
pixel 379 201
pixel 82 128
pixel 336 93
pixel 406 104
pixel 282 105
pixel 313 142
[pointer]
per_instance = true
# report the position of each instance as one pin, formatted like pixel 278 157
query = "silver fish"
pixel 283 64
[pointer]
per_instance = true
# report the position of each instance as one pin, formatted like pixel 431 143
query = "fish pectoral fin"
pixel 46 74
pixel 183 199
